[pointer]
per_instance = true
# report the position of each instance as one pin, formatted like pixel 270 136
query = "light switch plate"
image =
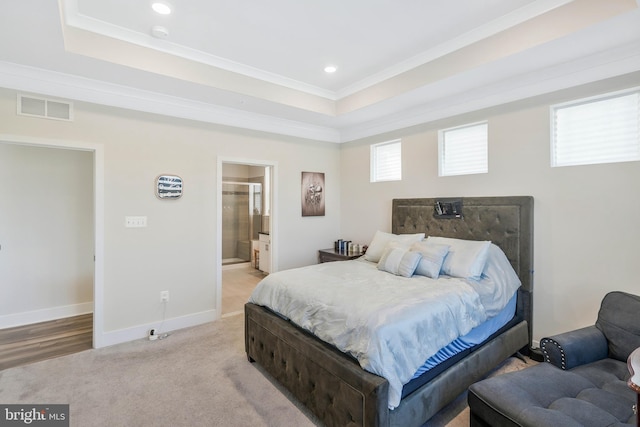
pixel 135 221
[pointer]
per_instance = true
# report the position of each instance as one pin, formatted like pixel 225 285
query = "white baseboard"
pixel 535 343
pixel 44 315
pixel 142 331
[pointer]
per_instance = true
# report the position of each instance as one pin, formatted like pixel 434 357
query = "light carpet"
pixel 198 376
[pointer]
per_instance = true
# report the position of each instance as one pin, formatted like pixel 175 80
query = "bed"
pixel 334 386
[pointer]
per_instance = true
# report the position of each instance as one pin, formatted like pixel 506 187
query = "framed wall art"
pixel 313 194
pixel 168 187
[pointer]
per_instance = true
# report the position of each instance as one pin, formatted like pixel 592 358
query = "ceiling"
pixel 260 65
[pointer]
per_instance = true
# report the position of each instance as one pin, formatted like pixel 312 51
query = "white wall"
pixel 586 229
pixel 177 251
pixel 46 233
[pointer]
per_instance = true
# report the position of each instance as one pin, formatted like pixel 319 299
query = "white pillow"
pixel 381 239
pixel 466 258
pixel 433 255
pixel 498 282
pixel 399 261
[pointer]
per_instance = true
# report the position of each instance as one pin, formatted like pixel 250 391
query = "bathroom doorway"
pixel 241 221
pixel 245 220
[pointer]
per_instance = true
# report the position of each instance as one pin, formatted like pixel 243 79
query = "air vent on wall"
pixel 46 108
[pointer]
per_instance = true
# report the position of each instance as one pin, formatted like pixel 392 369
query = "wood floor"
pixel 40 341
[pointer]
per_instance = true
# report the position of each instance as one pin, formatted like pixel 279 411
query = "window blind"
pixel 386 161
pixel 605 130
pixel 464 150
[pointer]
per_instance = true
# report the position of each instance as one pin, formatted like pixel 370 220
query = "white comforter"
pixel 390 324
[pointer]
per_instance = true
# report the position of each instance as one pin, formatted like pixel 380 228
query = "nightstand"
pixel 328 255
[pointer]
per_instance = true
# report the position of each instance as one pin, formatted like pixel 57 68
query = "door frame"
pixel 273 221
pixel 98 220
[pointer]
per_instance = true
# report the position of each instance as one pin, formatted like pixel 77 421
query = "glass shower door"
pixel 241 216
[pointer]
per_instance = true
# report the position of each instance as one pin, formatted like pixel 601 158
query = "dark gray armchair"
pixel 615 335
pixel 583 381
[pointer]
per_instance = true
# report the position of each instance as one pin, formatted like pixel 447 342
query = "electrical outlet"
pixel 164 296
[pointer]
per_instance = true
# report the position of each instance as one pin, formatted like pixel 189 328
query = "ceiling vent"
pixel 46 108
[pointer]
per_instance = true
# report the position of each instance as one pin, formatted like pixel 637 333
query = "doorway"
pixel 245 199
pixel 242 209
pixel 54 224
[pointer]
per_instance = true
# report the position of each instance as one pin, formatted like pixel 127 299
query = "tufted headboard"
pixel 505 221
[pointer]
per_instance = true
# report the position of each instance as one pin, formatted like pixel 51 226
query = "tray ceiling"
pixel 260 65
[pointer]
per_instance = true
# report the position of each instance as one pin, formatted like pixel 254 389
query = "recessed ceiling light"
pixel 161 7
pixel 330 69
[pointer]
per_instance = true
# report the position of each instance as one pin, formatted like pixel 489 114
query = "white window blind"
pixel 386 161
pixel 604 130
pixel 464 150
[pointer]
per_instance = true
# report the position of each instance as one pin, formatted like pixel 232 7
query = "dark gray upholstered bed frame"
pixel 334 386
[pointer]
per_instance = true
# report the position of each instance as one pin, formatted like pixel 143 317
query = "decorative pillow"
pixel 381 239
pixel 433 255
pixel 466 258
pixel 399 261
pixel 498 282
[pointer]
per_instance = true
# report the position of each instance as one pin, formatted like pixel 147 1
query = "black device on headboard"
pixel 447 208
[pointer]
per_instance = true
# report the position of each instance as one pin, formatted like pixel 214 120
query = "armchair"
pixel 615 335
pixel 582 381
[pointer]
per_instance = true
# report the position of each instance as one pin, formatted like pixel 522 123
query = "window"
pixel 386 161
pixel 463 150
pixel 605 129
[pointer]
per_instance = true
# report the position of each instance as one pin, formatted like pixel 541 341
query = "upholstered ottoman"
pixel 544 395
pixel 583 381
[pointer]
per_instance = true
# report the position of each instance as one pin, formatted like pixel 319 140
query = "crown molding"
pixel 603 65
pixel 512 19
pixel 73 18
pixel 52 83
pixel 610 63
